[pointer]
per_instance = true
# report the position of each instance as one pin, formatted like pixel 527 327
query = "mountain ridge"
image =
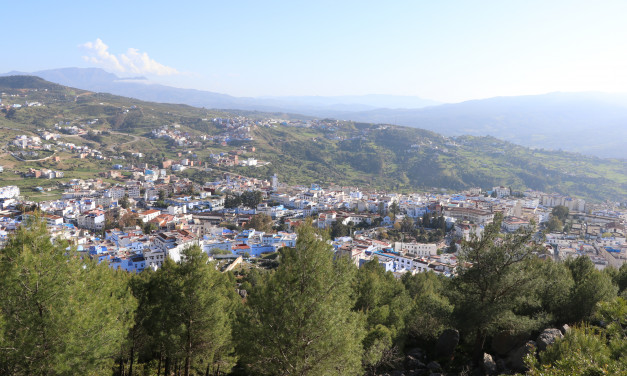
pixel 589 123
pixel 306 150
pixel 96 79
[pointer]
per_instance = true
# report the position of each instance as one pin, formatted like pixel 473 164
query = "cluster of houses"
pixel 235 130
pixel 36 143
pixel 43 173
pixel 30 142
pixel 180 138
pixel 196 215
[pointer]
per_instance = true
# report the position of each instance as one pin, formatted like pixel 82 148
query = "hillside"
pixel 300 150
pixel 588 123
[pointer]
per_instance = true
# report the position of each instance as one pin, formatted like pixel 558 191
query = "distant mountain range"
pixel 379 157
pixel 589 123
pixel 98 80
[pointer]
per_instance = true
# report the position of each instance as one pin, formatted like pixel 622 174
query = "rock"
pixel 419 372
pixel 417 353
pixel 489 366
pixel 500 365
pixel 448 340
pixel 516 359
pixel 547 337
pixel 504 342
pixel 411 362
pixel 434 366
pixel 564 329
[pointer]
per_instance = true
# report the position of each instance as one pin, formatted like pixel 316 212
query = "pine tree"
pixel 203 310
pixel 494 278
pixel 299 320
pixel 188 308
pixel 62 314
pixel 385 304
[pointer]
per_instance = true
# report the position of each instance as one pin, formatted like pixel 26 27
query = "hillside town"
pixel 150 215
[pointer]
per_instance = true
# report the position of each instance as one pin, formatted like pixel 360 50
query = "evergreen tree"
pixel 299 320
pixel 385 304
pixel 554 225
pixel 124 202
pixel 494 279
pixel 591 286
pixel 261 222
pixel 431 310
pixel 188 309
pixel 251 198
pixel 338 229
pixel 62 314
pixel 394 209
pixel 204 311
pixel 561 212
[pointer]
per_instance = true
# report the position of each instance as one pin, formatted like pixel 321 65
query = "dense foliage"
pixel 61 314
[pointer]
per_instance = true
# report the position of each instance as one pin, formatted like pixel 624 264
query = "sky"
pixel 448 51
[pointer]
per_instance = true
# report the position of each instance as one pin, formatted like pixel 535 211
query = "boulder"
pixel 419 372
pixel 434 366
pixel 447 342
pixel 489 366
pixel 516 359
pixel 564 329
pixel 500 365
pixel 411 373
pixel 547 337
pixel 417 353
pixel 504 342
pixel 411 362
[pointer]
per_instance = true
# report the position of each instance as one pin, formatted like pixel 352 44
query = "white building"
pixel 10 191
pixel 501 191
pixel 93 220
pixel 417 249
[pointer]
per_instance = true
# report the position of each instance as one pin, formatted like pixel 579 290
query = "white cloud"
pixel 132 61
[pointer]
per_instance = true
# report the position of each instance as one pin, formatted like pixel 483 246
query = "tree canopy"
pixel 299 320
pixel 61 313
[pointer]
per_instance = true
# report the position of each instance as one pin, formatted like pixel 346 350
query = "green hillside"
pixel 402 158
pixel 347 153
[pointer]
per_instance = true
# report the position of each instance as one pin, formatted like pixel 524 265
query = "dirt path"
pixel 32 160
pixel 134 139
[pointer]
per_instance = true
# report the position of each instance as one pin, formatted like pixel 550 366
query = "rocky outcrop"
pixel 434 366
pixel 489 365
pixel 507 355
pixel 504 342
pixel 447 342
pixel 564 329
pixel 516 359
pixel 547 337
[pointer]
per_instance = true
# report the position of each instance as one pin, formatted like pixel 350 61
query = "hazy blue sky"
pixel 442 50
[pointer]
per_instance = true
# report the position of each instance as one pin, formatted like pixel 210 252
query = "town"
pixel 151 215
pixel 143 210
